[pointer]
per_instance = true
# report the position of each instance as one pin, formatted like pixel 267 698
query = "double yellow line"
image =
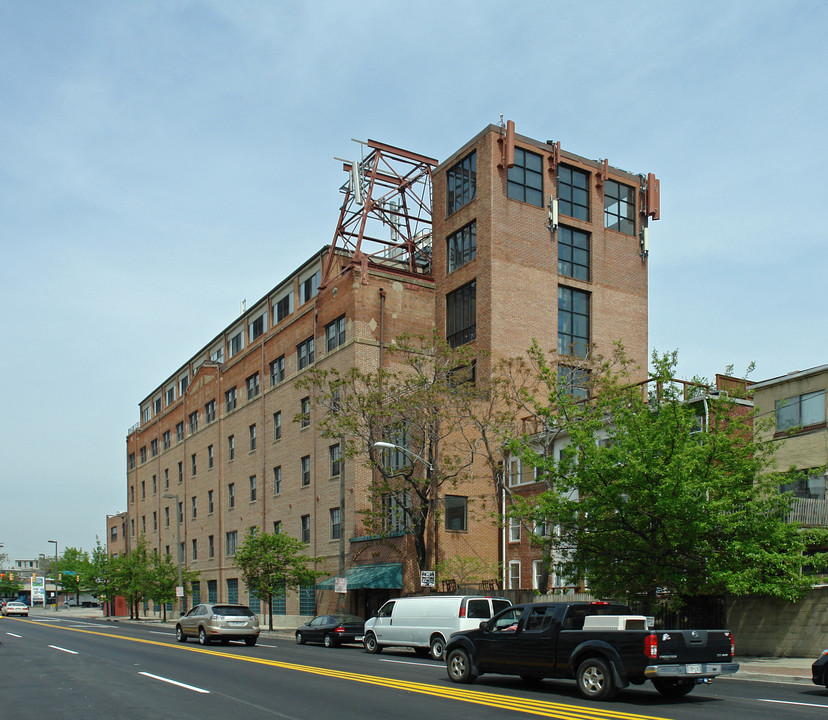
pixel 505 702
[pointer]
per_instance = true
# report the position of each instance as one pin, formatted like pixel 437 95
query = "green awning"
pixel 369 577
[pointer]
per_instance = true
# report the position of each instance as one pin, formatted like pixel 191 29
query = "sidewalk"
pixel 768 669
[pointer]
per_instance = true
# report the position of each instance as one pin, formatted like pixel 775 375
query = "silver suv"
pixel 218 621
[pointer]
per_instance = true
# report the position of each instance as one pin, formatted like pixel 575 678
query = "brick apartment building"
pixel 524 241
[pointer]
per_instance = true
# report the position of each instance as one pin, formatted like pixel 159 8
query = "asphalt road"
pixel 53 668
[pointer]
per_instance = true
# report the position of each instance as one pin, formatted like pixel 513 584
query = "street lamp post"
pixel 178 512
pixel 54 542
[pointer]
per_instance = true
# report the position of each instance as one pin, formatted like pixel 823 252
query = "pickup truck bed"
pixel 547 640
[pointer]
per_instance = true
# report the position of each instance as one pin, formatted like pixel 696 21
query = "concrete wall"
pixel 776 628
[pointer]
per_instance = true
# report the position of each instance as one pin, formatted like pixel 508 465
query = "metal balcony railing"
pixel 811 512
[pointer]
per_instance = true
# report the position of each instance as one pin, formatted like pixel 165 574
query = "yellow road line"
pixel 543 708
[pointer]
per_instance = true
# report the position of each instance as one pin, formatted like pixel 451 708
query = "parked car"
pixel 331 630
pixel 601 645
pixel 15 608
pixel 426 623
pixel 218 621
pixel 819 670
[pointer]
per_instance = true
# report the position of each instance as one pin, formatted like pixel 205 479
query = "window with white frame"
pixel 514 529
pixel 309 287
pixel 305 528
pixel 304 411
pixel 800 410
pixel 537 576
pixel 170 395
pixel 252 484
pixel 335 459
pixel 252 386
pixel 336 523
pixel 231 540
pixel 217 355
pixel 236 343
pixel 277 480
pixel 257 327
pixel 183 384
pixel 231 495
pixel 305 469
pixel 210 411
pixel 252 433
pixel 277 425
pixel 335 334
pixel 283 306
pixel 514 575
pixel 304 353
pixel 230 399
pixel 277 370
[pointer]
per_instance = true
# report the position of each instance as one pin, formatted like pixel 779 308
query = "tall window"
pixel 231 447
pixel 336 523
pixel 461 246
pixel 335 334
pixel 194 507
pixel 252 386
pixel 514 529
pixel 309 288
pixel 143 454
pixel 304 411
pixel 231 495
pixel 277 480
pixel 277 424
pixel 573 253
pixel 195 551
pixel 800 410
pixel 180 472
pixel 170 395
pixel 335 461
pixel 461 315
pixel 193 422
pixel 514 575
pixel 304 353
pixel 305 469
pixel 461 183
pixel 153 448
pixel 209 502
pixel 619 207
pixel 305 523
pixel 573 192
pixel 395 510
pixel 231 540
pixel 525 178
pixel 574 381
pixel 257 327
pixel 193 464
pixel 573 322
pixel 211 551
pixel 230 399
pixel 252 433
pixel 277 370
pixel 209 457
pixel 236 343
pixel 179 431
pixel 210 411
pixel 252 482
pixel 284 307
pixel 166 439
pixel 456 512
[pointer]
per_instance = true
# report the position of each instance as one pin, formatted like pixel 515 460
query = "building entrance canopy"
pixel 387 576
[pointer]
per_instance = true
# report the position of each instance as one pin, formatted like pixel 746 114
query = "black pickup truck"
pixel 603 654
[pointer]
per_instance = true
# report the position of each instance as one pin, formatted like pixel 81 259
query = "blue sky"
pixel 162 161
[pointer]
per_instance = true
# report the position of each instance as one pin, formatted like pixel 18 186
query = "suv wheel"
pixel 594 678
pixel 179 634
pixel 202 637
pixel 459 667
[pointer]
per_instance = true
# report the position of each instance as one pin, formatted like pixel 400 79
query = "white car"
pixel 15 608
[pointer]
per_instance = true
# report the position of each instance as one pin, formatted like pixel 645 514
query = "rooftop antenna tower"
pixel 385 218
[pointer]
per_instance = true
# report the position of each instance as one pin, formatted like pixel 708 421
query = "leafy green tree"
pixel 164 580
pixel 419 403
pixel 655 493
pixel 133 576
pixel 73 568
pixel 270 563
pixel 102 570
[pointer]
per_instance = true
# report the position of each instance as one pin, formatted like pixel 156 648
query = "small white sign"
pixel 341 585
pixel 179 591
pixel 427 578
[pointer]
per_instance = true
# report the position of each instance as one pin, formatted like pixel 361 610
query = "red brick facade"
pixel 516 275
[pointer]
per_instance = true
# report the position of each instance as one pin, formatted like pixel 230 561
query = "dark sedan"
pixel 819 670
pixel 331 630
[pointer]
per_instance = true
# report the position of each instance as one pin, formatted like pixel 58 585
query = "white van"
pixel 426 623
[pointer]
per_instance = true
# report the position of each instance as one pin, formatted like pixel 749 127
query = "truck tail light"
pixel 732 644
pixel 651 646
pixel 462 612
